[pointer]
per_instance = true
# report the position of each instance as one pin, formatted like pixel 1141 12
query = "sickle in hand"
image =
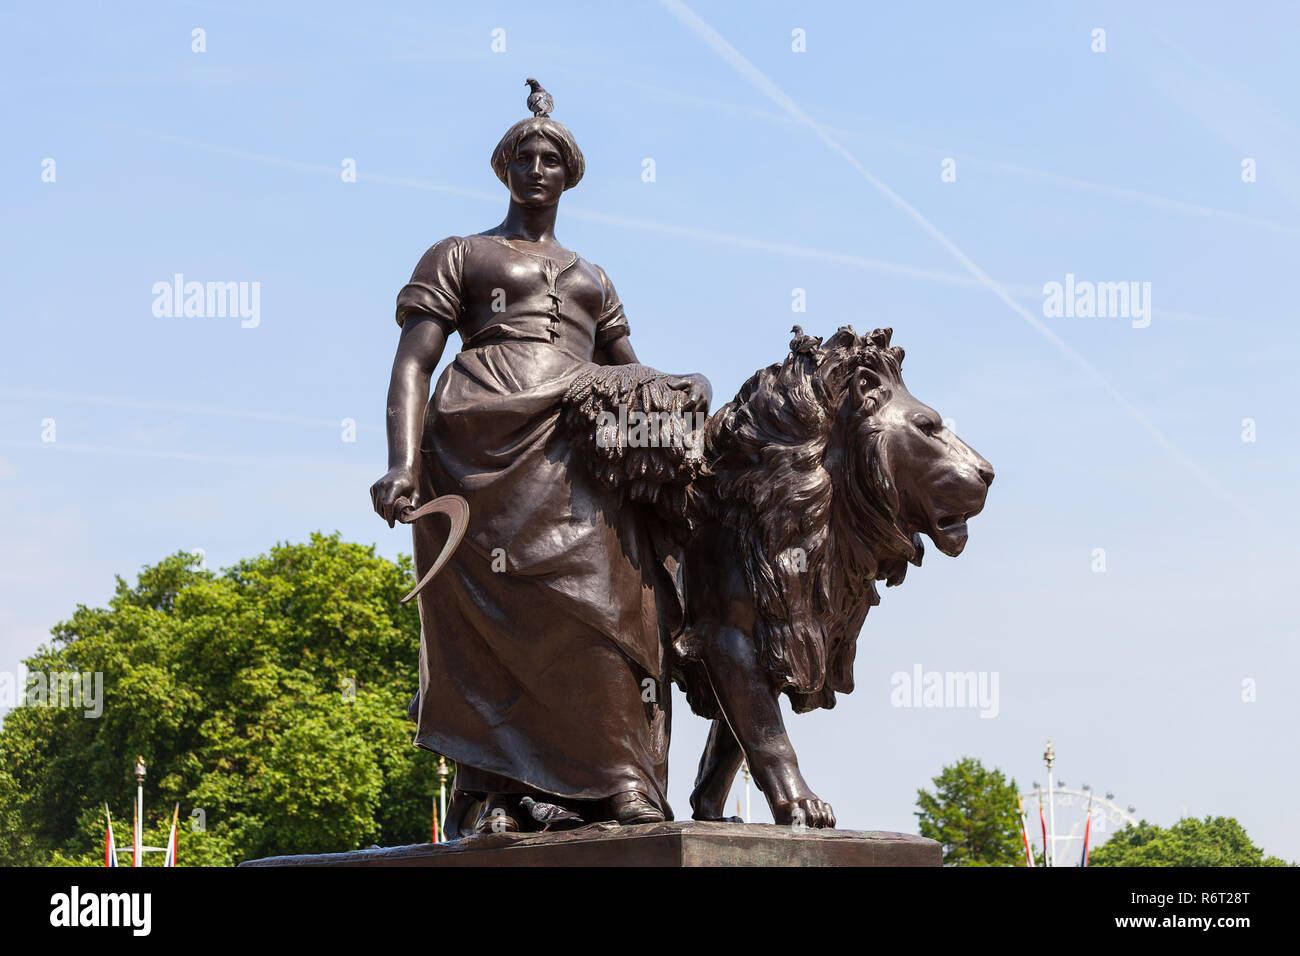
pixel 454 507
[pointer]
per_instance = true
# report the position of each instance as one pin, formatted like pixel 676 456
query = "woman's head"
pixel 537 160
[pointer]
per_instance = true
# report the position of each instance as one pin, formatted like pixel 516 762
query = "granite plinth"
pixel 682 843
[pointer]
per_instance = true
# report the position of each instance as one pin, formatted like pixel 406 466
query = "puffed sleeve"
pixel 612 323
pixel 436 284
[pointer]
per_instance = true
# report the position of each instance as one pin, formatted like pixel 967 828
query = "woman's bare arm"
pixel 619 352
pixel 418 351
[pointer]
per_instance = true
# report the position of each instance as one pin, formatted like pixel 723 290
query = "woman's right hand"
pixel 399 482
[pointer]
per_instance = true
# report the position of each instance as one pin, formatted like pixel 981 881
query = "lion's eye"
pixel 926 426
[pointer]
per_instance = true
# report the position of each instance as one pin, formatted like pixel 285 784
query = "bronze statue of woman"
pixel 542 665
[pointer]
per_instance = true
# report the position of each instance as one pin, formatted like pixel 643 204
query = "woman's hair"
pixel 557 133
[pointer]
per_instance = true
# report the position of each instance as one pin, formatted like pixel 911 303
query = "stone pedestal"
pixel 685 843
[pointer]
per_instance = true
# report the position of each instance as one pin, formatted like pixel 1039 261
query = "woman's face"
pixel 536 175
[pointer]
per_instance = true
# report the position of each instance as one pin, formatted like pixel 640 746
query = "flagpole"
pixel 745 771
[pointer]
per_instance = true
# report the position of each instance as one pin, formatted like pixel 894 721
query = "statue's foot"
pixel 498 815
pixel 804 811
pixel 631 808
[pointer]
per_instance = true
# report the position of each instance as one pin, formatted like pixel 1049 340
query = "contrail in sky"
pixel 737 61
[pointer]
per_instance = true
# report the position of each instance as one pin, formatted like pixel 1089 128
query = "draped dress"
pixel 542 665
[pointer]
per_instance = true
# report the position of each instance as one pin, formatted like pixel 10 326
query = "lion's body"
pixel 806 535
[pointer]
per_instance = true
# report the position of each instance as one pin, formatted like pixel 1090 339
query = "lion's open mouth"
pixel 949 533
pixel 952 524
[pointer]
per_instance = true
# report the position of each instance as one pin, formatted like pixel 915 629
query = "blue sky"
pixel 774 170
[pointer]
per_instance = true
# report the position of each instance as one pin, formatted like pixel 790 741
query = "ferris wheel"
pixel 1057 805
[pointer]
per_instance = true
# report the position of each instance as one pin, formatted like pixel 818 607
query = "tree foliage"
pixel 973 814
pixel 270 697
pixel 1214 841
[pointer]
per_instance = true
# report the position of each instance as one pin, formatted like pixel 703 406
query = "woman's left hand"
pixel 699 393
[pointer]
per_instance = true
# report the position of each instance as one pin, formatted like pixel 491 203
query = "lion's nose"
pixel 986 472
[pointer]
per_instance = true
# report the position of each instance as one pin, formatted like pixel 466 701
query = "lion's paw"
pixel 805 812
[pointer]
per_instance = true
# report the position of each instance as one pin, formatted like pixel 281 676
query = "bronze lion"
pixel 816 481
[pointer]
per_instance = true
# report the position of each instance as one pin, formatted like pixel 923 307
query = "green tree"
pixel 1214 841
pixel 973 814
pixel 271 698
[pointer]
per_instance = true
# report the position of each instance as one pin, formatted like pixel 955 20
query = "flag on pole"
pixel 137 838
pixel 1024 832
pixel 435 821
pixel 1042 818
pixel 1087 828
pixel 110 846
pixel 170 858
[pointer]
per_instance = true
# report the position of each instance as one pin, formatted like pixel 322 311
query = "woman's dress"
pixel 542 655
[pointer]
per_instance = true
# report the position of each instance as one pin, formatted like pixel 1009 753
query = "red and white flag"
pixel 1087 830
pixel 170 858
pixel 1042 818
pixel 110 846
pixel 1024 832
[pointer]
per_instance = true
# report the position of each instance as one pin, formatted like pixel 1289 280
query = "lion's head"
pixel 829 471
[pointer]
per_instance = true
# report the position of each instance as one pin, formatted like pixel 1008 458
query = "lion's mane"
pixel 782 470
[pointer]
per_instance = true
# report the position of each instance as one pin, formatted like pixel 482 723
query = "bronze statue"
pixel 817 480
pixel 543 655
pixel 735 557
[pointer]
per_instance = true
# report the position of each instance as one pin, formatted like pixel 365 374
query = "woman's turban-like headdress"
pixel 541 103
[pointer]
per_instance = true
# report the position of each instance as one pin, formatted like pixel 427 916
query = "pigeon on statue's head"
pixel 539 101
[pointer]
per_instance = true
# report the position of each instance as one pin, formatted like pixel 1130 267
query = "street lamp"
pixel 138 843
pixel 443 771
pixel 1049 757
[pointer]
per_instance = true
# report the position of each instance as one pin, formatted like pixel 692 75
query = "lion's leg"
pixel 753 709
pixel 719 763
